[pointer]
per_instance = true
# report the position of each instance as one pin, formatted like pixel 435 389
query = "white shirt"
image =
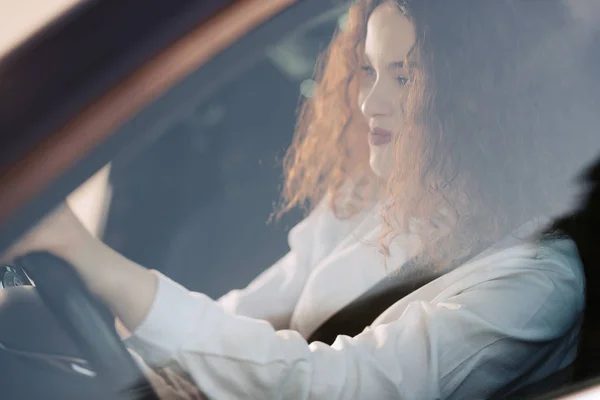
pixel 508 316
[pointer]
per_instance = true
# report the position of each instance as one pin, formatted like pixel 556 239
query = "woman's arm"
pixel 128 288
pixel 518 315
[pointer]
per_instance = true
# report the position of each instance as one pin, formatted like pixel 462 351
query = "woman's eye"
pixel 368 69
pixel 402 80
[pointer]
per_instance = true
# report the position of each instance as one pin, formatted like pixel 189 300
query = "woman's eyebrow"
pixel 395 65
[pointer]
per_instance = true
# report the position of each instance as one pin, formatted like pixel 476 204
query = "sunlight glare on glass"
pixel 307 88
pixel 343 21
pixel 19 19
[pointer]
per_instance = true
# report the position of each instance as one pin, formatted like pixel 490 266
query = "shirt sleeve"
pixel 467 345
pixel 272 296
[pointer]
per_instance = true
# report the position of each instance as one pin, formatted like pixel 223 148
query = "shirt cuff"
pixel 173 316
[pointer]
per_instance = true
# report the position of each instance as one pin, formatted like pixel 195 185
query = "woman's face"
pixel 384 76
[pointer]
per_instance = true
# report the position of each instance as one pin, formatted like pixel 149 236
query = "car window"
pixel 193 196
pixel 217 164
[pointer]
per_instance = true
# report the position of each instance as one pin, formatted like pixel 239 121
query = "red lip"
pixel 379 136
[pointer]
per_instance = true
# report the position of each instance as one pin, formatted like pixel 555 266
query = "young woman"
pixel 437 135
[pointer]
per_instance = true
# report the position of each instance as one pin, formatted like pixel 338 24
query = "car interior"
pixel 224 148
pixel 206 154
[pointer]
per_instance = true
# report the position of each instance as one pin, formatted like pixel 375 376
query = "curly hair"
pixel 497 88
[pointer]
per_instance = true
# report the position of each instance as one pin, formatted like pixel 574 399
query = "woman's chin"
pixel 380 162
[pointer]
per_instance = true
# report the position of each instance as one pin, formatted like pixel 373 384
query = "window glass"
pixel 195 203
pixel 193 198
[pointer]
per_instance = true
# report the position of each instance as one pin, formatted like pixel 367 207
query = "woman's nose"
pixel 379 101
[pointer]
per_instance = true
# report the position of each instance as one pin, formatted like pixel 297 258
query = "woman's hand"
pixel 59 233
pixel 126 287
pixel 168 384
pixel 63 234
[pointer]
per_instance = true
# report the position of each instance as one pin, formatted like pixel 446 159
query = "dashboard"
pixel 11 276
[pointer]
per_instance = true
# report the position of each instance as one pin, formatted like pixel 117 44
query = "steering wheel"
pixel 81 315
